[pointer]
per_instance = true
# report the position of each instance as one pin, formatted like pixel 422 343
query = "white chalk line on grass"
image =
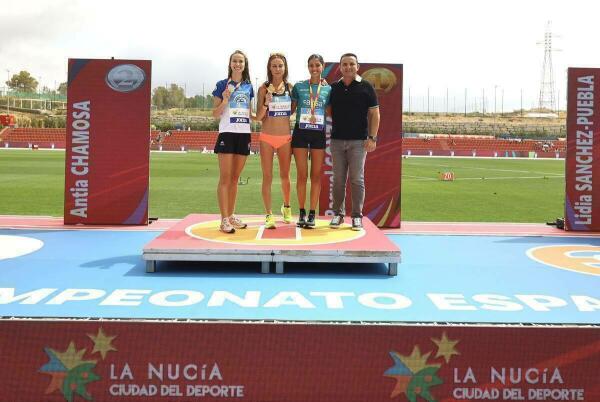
pixel 420 178
pixel 490 169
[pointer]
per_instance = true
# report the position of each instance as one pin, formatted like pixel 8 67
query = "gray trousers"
pixel 348 157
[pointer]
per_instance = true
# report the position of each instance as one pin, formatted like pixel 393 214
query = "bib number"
pixel 280 106
pixel 239 113
pixel 309 121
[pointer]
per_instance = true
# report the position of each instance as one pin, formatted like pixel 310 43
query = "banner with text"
pixel 582 202
pixel 135 361
pixel 108 142
pixel 383 168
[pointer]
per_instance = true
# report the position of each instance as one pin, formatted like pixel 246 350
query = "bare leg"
pixel 223 191
pixel 266 163
pixel 284 156
pixel 316 165
pixel 301 158
pixel 238 163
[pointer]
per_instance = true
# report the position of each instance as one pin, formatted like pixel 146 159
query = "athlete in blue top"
pixel 231 99
pixel 311 98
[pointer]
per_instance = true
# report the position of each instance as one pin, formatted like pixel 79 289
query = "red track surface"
pixel 425 228
pixel 47 222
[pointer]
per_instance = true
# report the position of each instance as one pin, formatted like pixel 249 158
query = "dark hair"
pixel 316 56
pixel 246 72
pixel 349 55
pixel 269 74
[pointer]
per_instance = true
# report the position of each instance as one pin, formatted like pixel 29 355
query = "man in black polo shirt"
pixel 355 117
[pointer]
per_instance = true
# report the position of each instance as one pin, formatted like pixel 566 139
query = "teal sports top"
pixel 301 94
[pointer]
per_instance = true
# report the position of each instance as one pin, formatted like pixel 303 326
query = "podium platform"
pixel 197 238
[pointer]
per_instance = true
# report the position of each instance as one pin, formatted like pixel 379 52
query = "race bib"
pixel 239 108
pixel 280 106
pixel 310 122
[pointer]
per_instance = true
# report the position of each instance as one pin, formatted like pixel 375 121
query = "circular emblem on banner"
pixel 125 77
pixel 17 246
pixel 381 78
pixel 285 234
pixel 581 258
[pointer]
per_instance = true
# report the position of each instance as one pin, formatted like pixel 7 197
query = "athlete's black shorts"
pixel 311 139
pixel 233 143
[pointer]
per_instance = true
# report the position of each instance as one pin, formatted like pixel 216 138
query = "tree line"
pixel 23 81
pixel 174 97
pixel 162 97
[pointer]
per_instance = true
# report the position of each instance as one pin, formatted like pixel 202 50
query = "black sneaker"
pixel 336 221
pixel 357 223
pixel 301 218
pixel 310 222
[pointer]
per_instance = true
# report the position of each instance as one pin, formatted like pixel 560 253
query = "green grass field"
pixel 485 190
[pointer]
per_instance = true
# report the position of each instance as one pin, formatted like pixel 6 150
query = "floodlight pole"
pixel 495 109
pixel 7 96
pixel 427 101
pixel 447 110
pixel 521 102
pixel 495 89
pixel 483 100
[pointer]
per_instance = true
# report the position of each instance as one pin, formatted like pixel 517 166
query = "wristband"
pixel 372 138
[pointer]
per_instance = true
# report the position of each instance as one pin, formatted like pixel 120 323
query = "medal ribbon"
pixel 313 101
pixel 271 88
pixel 235 87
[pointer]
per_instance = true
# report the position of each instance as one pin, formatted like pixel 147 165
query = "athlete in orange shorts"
pixel 274 109
pixel 275 141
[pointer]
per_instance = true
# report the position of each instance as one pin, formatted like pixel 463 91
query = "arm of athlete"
pixel 220 103
pixel 373 117
pixel 261 108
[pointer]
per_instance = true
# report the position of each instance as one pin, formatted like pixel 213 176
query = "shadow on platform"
pixel 371 271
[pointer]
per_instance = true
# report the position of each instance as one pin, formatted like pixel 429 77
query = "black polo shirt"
pixel 349 109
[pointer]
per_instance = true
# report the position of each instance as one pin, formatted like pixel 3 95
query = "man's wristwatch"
pixel 372 138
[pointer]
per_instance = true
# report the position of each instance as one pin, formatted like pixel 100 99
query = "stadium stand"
pixel 33 137
pixel 195 140
pixel 465 146
pixel 438 145
pixel 40 137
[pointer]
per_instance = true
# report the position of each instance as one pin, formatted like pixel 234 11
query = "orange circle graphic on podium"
pixel 285 234
pixel 581 258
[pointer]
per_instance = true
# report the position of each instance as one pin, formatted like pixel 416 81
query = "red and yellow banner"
pixel 159 361
pixel 383 168
pixel 582 202
pixel 108 142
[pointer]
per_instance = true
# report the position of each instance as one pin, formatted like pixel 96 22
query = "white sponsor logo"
pixel 125 77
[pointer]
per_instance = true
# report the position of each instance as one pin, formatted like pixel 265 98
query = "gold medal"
pixel 280 88
pixel 231 88
pixel 313 101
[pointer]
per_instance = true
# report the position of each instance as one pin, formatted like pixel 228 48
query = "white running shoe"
pixel 237 222
pixel 226 227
